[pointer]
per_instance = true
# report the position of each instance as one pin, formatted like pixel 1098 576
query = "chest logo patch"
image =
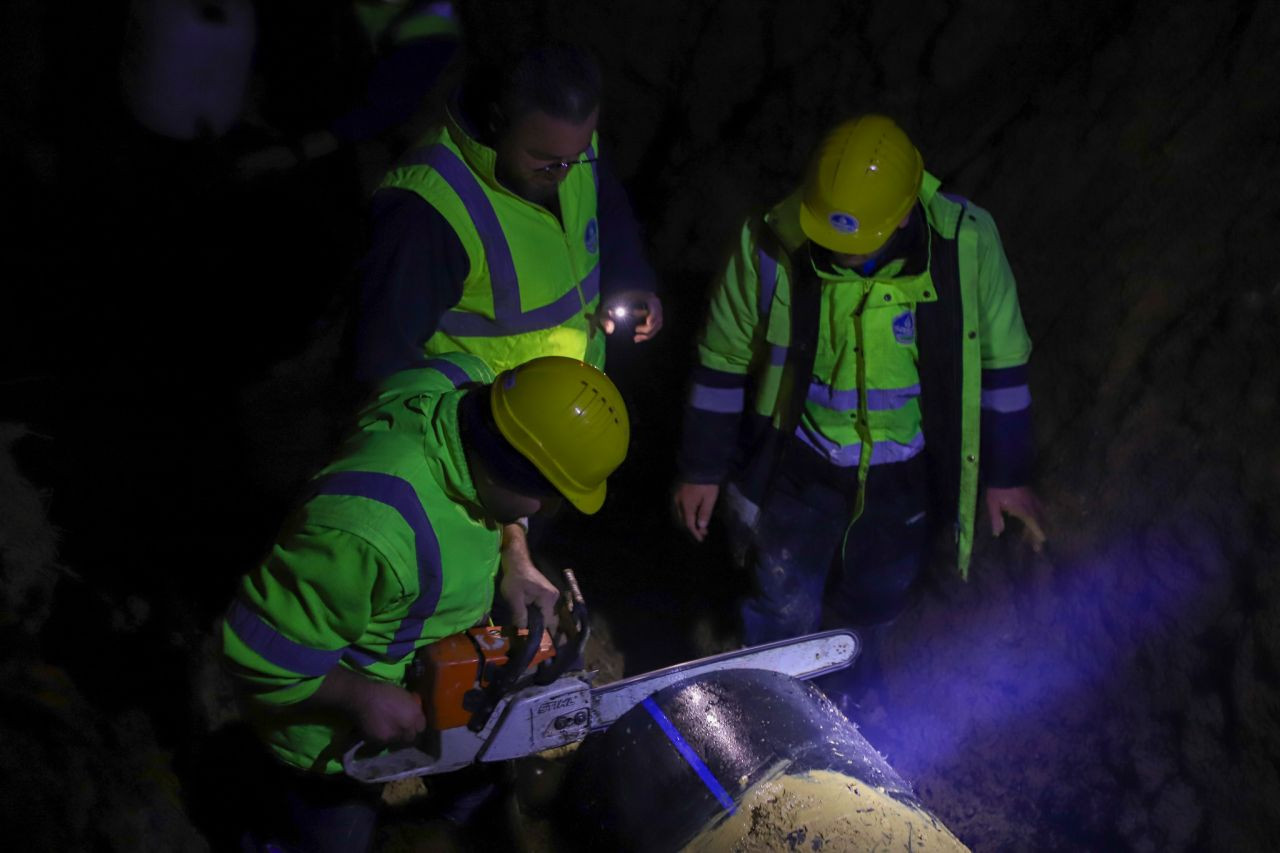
pixel 591 237
pixel 904 328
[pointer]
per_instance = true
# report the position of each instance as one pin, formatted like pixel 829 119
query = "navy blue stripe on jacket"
pixel 416 265
pixel 712 421
pixel 1008 444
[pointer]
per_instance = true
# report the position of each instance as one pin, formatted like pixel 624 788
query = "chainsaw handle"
pixel 506 676
pixel 509 673
pixel 569 653
pixel 516 666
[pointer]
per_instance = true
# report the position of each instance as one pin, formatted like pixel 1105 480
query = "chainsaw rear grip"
pixel 481 702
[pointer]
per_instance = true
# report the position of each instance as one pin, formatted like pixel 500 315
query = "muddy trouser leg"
pixel 333 813
pixel 795 538
pixel 313 813
pixel 883 556
pixel 294 811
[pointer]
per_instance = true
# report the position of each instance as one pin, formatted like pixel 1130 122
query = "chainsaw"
pixel 494 694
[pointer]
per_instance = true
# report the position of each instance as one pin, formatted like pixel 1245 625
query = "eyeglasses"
pixel 562 166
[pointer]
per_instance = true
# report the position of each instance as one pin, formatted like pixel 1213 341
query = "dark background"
pixel 173 371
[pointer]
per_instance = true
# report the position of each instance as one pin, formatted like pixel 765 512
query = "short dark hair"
pixel 504 463
pixel 559 79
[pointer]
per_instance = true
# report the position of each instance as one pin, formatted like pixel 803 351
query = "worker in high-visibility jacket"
pixel 399 545
pixel 866 343
pixel 411 44
pixel 504 235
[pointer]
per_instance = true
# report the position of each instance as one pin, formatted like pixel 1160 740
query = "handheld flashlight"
pixel 634 312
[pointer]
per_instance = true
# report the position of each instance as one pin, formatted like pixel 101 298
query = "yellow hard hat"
pixel 861 184
pixel 568 419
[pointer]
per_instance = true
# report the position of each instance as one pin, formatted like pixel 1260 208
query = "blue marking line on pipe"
pixel 682 746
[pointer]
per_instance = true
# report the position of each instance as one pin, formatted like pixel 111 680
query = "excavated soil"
pixel 826 811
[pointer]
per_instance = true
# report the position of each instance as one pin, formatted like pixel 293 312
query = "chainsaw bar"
pixel 542 717
pixel 804 657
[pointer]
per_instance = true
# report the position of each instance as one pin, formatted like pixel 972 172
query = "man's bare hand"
pixel 380 711
pixel 652 321
pixel 1021 503
pixel 522 584
pixel 385 713
pixel 694 503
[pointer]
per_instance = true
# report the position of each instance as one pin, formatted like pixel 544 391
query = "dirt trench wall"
pixel 1123 691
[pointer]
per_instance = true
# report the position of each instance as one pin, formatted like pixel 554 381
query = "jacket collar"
pixel 432 419
pixel 942 213
pixel 479 157
pixel 455 474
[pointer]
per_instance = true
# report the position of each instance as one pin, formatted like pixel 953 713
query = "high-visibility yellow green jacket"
pixel 927 353
pixel 532 278
pixel 390 553
pixel 388 25
pixel 411 44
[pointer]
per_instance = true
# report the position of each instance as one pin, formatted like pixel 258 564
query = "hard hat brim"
pixel 588 503
pixel 861 242
pixel 586 500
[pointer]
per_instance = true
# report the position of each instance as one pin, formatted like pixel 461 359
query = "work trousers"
pixel 803 578
pixel 313 813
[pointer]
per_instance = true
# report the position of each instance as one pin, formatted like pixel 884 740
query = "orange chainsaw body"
pixel 447 670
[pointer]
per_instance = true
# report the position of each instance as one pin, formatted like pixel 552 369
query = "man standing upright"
pixel 503 235
pixel 865 340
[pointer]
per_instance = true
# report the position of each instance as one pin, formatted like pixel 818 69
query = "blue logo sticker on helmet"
pixel 904 328
pixel 591 239
pixel 843 222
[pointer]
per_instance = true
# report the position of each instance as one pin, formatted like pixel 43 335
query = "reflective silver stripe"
pixel 848 455
pixel 1013 399
pixel 777 355
pixel 722 400
pixel 468 325
pixel 878 399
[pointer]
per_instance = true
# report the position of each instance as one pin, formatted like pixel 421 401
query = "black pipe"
pixel 702 761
